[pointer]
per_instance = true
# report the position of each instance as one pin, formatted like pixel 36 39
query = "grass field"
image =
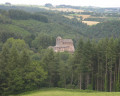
pixel 68 92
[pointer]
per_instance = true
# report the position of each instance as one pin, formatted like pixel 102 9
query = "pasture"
pixel 67 92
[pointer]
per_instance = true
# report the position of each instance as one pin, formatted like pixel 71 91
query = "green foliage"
pixel 8 30
pixel 22 15
pixel 52 29
pixel 18 72
pixel 49 66
pixel 18 14
pixel 5 20
pixel 105 29
pixel 42 41
pixel 94 65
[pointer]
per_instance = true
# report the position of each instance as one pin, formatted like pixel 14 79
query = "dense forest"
pixel 26 63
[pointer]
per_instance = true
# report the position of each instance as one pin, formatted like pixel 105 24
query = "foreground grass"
pixel 67 92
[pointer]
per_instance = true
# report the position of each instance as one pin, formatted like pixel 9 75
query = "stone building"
pixel 63 45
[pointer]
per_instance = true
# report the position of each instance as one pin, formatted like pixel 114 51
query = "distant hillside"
pixel 24 23
pixel 94 14
pixel 25 8
pixel 32 26
pixel 91 8
pixel 106 29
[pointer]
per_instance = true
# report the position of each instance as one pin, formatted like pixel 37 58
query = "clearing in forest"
pixel 68 92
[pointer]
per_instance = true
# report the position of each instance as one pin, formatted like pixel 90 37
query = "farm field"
pixel 84 17
pixel 78 15
pixel 91 22
pixel 67 10
pixel 68 92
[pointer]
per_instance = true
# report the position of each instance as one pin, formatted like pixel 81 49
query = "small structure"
pixel 63 45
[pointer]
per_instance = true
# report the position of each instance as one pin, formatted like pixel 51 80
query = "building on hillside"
pixel 63 45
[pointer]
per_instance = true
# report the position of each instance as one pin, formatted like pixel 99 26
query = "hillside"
pixel 106 29
pixel 54 24
pixel 26 62
pixel 23 24
pixel 89 15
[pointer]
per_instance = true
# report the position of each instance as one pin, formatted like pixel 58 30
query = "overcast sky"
pixel 99 3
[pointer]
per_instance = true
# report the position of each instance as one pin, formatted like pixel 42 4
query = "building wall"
pixel 63 45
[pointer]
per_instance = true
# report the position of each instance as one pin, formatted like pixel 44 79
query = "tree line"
pixel 93 66
pixel 6 16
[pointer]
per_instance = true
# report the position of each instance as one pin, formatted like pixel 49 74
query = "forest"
pixel 26 63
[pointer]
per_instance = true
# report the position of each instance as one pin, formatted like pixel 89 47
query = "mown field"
pixel 67 92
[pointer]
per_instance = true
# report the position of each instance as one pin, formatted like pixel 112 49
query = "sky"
pixel 97 3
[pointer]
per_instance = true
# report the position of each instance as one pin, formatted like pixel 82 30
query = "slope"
pixel 105 29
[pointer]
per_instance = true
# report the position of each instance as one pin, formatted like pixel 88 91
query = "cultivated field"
pixel 83 16
pixel 71 16
pixel 68 92
pixel 66 10
pixel 91 22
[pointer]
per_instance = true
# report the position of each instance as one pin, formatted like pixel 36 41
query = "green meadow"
pixel 67 92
